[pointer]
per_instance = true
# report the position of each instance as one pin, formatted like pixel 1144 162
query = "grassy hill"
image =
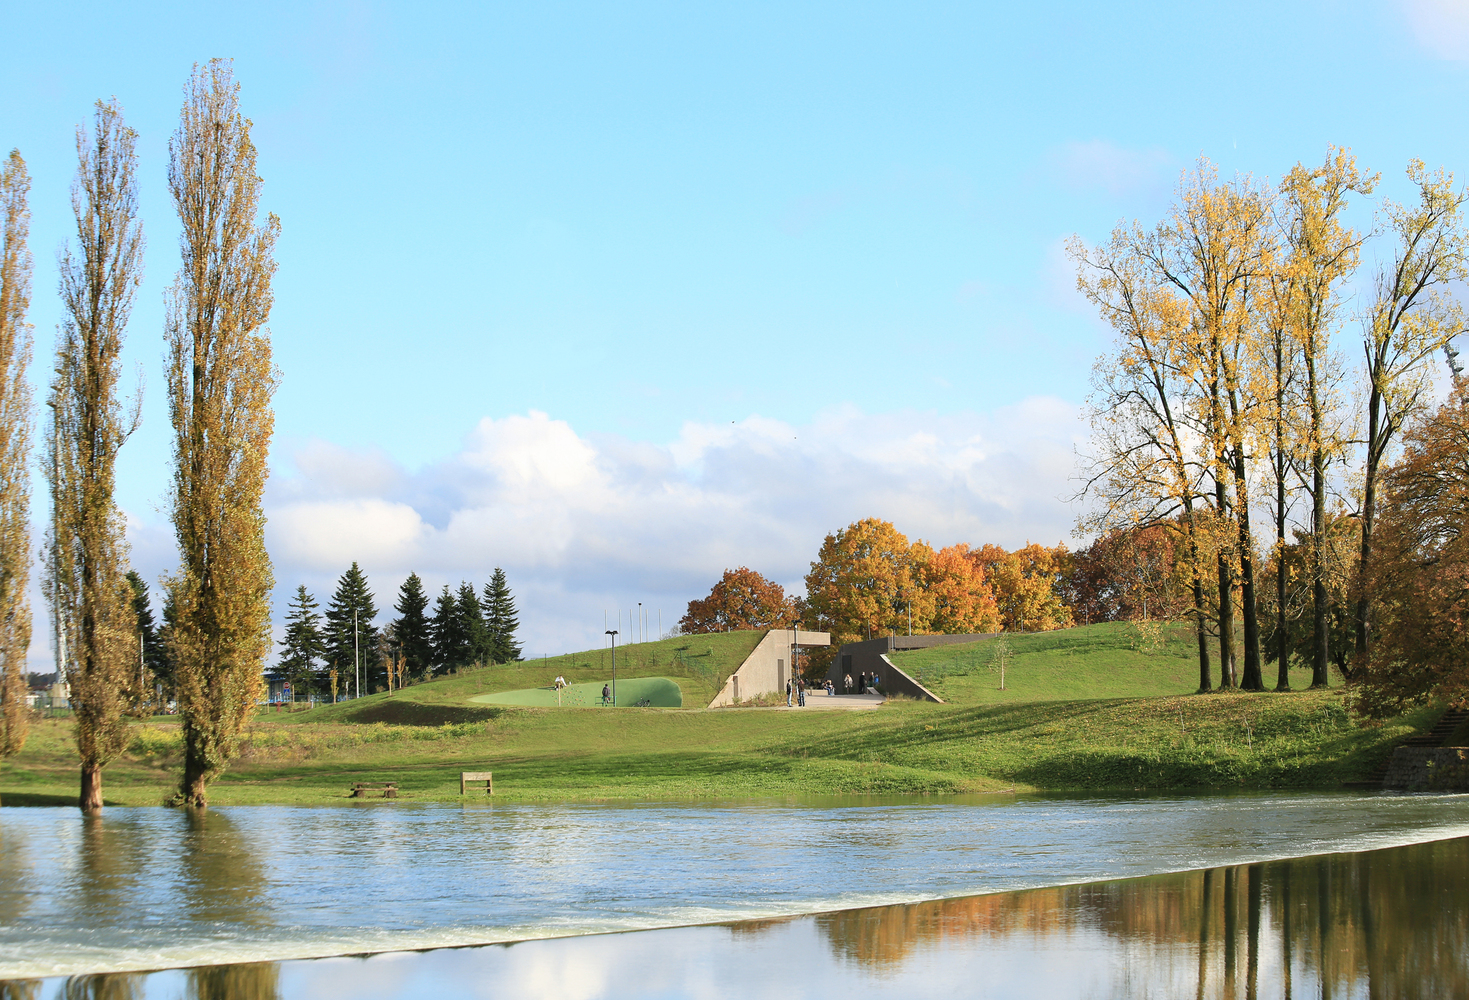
pixel 1114 660
pixel 1081 726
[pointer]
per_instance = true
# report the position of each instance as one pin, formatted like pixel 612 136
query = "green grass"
pixel 1115 660
pixel 1058 735
pixel 656 692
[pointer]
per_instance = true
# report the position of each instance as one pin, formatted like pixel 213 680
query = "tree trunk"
pixel 91 797
pixel 1320 642
pixel 1369 510
pixel 1206 680
pixel 1253 680
pixel 192 785
pixel 1282 647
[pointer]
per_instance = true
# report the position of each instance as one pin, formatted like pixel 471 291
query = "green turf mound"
pixel 653 692
pixel 401 712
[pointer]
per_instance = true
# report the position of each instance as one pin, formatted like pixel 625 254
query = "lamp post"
pixel 613 633
pixel 356 657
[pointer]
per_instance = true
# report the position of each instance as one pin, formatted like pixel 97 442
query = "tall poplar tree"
pixel 351 643
pixel 220 381
pixel 91 597
pixel 411 629
pixel 500 614
pixel 15 451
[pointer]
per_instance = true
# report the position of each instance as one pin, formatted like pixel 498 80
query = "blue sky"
pixel 617 296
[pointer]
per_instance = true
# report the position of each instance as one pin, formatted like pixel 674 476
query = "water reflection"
pixel 1382 923
pixel 1386 923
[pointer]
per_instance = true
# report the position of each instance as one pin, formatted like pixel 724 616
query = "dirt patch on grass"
pixel 413 713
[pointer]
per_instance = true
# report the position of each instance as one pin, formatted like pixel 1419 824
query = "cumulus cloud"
pixel 1440 26
pixel 587 523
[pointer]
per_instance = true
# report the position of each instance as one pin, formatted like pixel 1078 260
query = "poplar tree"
pixel 302 645
pixel 411 628
pixel 15 449
pixel 220 381
pixel 90 595
pixel 348 645
pixel 501 616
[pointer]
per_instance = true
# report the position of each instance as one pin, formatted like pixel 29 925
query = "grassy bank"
pixel 1297 740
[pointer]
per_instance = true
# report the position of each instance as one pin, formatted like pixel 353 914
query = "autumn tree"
pixel 856 584
pixel 15 449
pixel 1141 467
pixel 742 600
pixel 220 383
pixel 951 593
pixel 1027 585
pixel 1421 572
pixel 1321 251
pixel 1412 316
pixel 91 597
pixel 411 629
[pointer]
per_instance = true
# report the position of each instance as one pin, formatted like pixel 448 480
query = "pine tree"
pixel 472 625
pixel 501 618
pixel 411 629
pixel 448 636
pixel 155 662
pixel 303 644
pixel 345 649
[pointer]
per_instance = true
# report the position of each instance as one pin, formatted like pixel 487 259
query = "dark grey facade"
pixel 857 658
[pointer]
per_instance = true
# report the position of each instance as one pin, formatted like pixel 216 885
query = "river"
pixel 263 888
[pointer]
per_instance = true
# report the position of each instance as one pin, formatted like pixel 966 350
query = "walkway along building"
pixel 768 667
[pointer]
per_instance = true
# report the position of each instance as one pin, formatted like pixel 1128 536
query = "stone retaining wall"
pixel 1428 769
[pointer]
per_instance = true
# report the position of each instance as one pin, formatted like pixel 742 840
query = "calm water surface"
pixel 252 886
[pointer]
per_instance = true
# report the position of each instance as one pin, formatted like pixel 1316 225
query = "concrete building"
pixel 871 658
pixel 769 665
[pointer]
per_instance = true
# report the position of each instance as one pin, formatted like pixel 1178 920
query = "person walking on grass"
pixel 606 693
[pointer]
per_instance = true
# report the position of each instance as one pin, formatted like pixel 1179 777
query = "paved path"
pixel 839 702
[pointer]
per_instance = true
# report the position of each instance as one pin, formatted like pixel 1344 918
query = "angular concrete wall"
pixel 893 679
pixel 866 657
pixel 767 667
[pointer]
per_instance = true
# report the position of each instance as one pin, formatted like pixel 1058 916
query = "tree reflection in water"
pixel 1383 923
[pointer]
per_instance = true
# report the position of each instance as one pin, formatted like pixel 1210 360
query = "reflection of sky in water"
pixel 1389 923
pixel 149 888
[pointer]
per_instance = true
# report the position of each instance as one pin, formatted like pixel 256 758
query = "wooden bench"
pixel 361 788
pixel 475 777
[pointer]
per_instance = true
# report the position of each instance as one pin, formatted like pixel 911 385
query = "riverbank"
pixel 1218 741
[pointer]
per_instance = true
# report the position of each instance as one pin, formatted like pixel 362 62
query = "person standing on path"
pixel 801 692
pixel 788 694
pixel 847 683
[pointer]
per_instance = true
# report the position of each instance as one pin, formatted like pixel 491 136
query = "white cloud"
pixel 1440 26
pixel 1098 164
pixel 587 523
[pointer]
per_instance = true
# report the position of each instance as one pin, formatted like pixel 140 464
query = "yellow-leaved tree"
pixel 220 382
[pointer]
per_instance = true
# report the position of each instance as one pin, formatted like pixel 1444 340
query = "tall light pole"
pixel 356 656
pixel 642 636
pixel 613 633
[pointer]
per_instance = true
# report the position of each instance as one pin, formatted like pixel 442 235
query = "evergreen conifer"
pixel 448 636
pixel 155 661
pixel 352 594
pixel 411 629
pixel 477 645
pixel 303 644
pixel 500 616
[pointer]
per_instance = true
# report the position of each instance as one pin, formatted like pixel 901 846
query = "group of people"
pixel 796 689
pixel 865 683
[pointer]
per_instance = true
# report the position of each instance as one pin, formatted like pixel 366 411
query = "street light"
pixel 613 633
